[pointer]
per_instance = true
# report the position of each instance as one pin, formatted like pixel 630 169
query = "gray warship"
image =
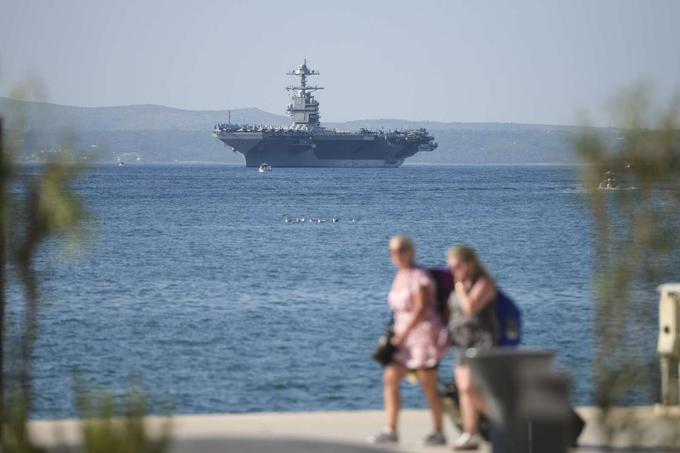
pixel 305 143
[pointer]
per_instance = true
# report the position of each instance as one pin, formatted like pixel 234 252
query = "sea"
pixel 191 283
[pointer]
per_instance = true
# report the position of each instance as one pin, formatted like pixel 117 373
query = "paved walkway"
pixel 342 432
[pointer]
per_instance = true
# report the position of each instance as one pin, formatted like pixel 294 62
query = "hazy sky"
pixel 506 61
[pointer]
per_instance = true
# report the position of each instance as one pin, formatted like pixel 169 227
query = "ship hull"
pixel 326 150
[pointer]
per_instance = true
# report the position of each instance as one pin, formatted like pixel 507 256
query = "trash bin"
pixel 528 403
pixel 669 342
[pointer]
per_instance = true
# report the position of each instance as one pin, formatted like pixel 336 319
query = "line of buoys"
pixel 288 219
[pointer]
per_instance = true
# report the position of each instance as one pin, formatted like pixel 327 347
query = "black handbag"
pixel 384 350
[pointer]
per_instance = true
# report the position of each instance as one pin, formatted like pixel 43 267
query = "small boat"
pixel 610 182
pixel 264 167
pixel 121 163
pixel 609 185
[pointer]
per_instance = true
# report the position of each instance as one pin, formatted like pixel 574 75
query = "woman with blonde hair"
pixel 473 324
pixel 420 337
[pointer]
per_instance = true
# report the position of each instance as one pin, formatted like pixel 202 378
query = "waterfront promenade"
pixel 346 431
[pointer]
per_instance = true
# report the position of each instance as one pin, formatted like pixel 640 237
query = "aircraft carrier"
pixel 305 143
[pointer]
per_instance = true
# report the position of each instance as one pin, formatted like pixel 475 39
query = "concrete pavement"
pixel 347 431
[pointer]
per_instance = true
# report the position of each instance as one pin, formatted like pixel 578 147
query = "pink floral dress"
pixel 427 343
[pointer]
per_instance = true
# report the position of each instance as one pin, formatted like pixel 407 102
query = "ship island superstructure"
pixel 305 143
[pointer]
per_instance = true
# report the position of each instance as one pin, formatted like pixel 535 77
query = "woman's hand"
pixel 463 299
pixel 397 340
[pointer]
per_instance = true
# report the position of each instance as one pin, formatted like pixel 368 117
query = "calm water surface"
pixel 195 284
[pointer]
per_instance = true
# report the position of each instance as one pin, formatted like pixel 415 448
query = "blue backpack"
pixel 509 320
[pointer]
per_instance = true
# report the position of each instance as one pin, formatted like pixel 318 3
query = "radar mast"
pixel 303 108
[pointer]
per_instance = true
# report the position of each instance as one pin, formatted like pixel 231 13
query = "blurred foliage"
pixel 636 240
pixel 108 427
pixel 16 437
pixel 48 208
pixel 38 205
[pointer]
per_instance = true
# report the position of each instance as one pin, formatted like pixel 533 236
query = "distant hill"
pixel 164 134
pixel 131 117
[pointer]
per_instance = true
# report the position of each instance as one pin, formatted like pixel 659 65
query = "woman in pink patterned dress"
pixel 421 339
